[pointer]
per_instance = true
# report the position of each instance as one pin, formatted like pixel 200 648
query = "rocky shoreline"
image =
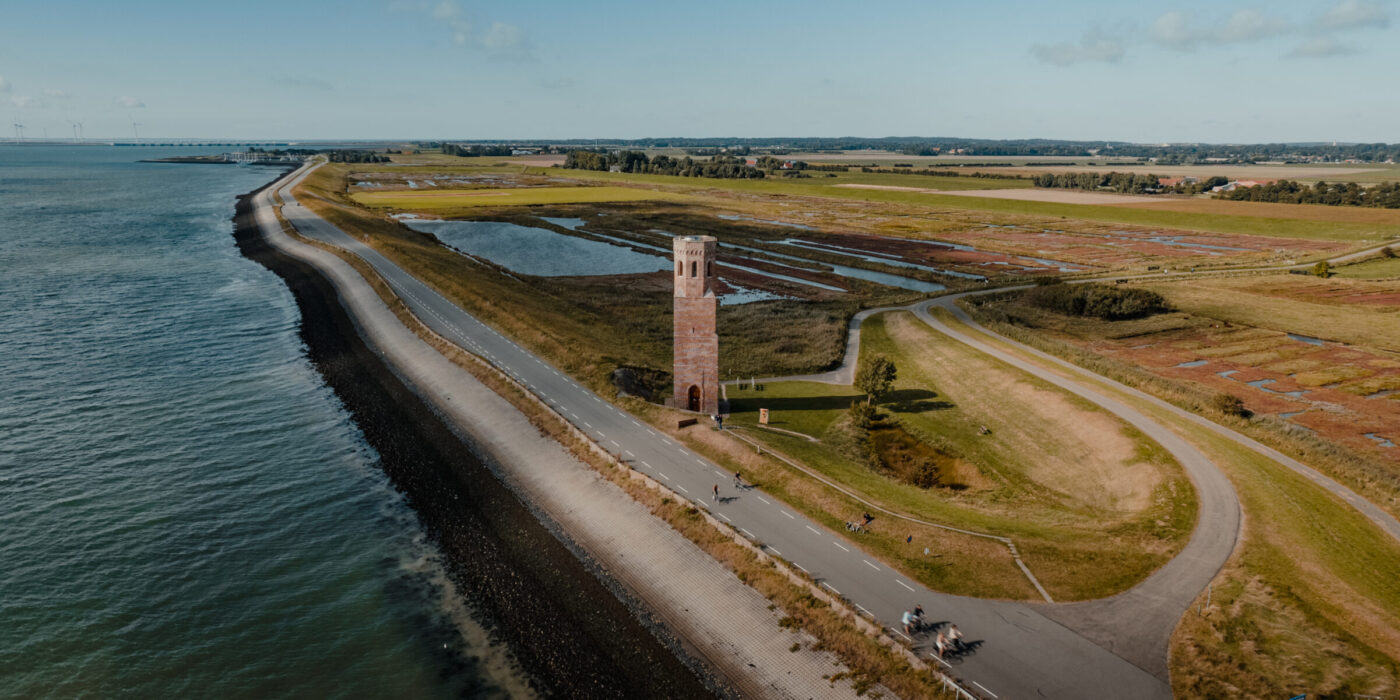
pixel 572 629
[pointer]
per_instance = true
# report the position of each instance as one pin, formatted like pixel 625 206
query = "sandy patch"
pixel 1057 196
pixel 1081 453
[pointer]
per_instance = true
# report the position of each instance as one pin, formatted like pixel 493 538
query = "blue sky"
pixel 1185 71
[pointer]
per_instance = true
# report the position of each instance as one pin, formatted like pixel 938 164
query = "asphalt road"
pixel 1021 652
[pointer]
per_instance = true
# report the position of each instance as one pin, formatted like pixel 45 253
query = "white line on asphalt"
pixel 722 474
pixel 746 532
pixel 983 687
pixel 780 510
pixel 904 584
pixel 628 452
pixel 648 466
pixel 775 551
pixel 726 518
pixel 804 569
pixel 762 499
pixel 867 563
pixel 900 633
pixel 663 475
pixel 649 430
pixel 941 661
pixel 614 443
pixel 601 434
pixel 833 590
pixel 862 609
pixel 682 488
pixel 590 425
pixel 809 527
pixel 701 462
pixel 838 544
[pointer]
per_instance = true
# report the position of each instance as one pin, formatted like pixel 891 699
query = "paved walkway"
pixel 1022 652
pixel 727 622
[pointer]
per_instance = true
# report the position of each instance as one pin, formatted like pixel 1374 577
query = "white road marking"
pixel 983 687
pixel 862 609
pixel 726 518
pixel 746 532
pixel 904 584
pixel 838 544
pixel 614 443
pixel 663 475
pixel 648 466
pixel 762 499
pixel 586 423
pixel 809 527
pixel 941 661
pixel 804 569
pixel 718 472
pixel 900 633
pixel 867 563
pixel 775 551
pixel 780 510
pixel 628 452
pixel 833 590
pixel 682 488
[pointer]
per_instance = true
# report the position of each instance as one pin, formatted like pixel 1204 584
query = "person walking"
pixel 716 492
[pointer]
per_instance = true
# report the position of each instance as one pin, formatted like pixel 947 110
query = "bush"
pixel 864 416
pixel 1387 252
pixel 1322 269
pixel 1230 405
pixel 1111 303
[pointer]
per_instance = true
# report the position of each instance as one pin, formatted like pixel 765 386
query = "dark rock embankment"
pixel 565 623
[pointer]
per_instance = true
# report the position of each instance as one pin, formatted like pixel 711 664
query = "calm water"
pixel 185 509
pixel 538 251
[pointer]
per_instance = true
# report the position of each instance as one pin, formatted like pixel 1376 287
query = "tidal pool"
pixel 540 252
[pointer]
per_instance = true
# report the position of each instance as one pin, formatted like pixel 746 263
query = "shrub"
pixel 1322 269
pixel 1230 405
pixel 1388 252
pixel 1111 303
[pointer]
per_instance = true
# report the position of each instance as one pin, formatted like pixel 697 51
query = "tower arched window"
pixel 694 267
pixel 710 269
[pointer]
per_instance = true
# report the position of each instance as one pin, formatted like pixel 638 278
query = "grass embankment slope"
pixel 434 200
pixel 1292 304
pixel 1093 505
pixel 1309 603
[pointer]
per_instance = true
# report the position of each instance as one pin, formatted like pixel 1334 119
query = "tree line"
pixel 1127 183
pixel 1386 195
pixel 731 167
pixel 339 156
pixel 945 173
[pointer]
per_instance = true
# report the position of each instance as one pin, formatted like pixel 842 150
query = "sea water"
pixel 185 508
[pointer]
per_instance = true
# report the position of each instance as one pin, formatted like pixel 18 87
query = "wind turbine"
pixel 76 138
pixel 19 131
pixel 134 133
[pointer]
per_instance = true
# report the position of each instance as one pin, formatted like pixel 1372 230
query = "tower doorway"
pixel 693 403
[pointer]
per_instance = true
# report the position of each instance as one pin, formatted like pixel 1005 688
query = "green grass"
pixel 1346 232
pixel 1373 269
pixel 1310 602
pixel 1076 550
pixel 432 200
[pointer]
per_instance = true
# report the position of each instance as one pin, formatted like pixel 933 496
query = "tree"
pixel 1322 269
pixel 875 377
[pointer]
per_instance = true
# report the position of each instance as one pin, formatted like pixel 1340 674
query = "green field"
pixel 431 200
pixel 1374 269
pixel 1043 483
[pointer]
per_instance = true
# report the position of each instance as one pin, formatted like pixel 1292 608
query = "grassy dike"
pixel 874 659
pixel 1310 602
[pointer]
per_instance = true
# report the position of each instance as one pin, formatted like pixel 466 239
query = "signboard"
pixel 763 416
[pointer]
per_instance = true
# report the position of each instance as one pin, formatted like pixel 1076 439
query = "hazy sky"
pixel 1170 71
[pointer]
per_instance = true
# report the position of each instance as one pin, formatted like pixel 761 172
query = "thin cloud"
pixel 1093 47
pixel 1178 31
pixel 130 103
pixel 1322 47
pixel 1353 14
pixel 4 84
pixel 26 102
pixel 56 94
pixel 499 39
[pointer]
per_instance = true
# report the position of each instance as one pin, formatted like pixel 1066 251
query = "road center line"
pixel 780 510
pixel 809 527
pixel 984 689
pixel 911 590
pixel 763 499
pixel 867 563
pixel 838 544
pixel 833 590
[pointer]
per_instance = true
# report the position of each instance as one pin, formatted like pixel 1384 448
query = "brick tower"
pixel 696 371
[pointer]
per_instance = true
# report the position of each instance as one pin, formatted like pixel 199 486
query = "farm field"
pixel 1375 269
pixel 437 199
pixel 1074 486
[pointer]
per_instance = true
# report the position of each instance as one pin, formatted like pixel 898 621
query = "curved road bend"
pixel 1023 652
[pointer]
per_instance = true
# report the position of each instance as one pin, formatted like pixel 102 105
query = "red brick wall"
pixel 696 340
